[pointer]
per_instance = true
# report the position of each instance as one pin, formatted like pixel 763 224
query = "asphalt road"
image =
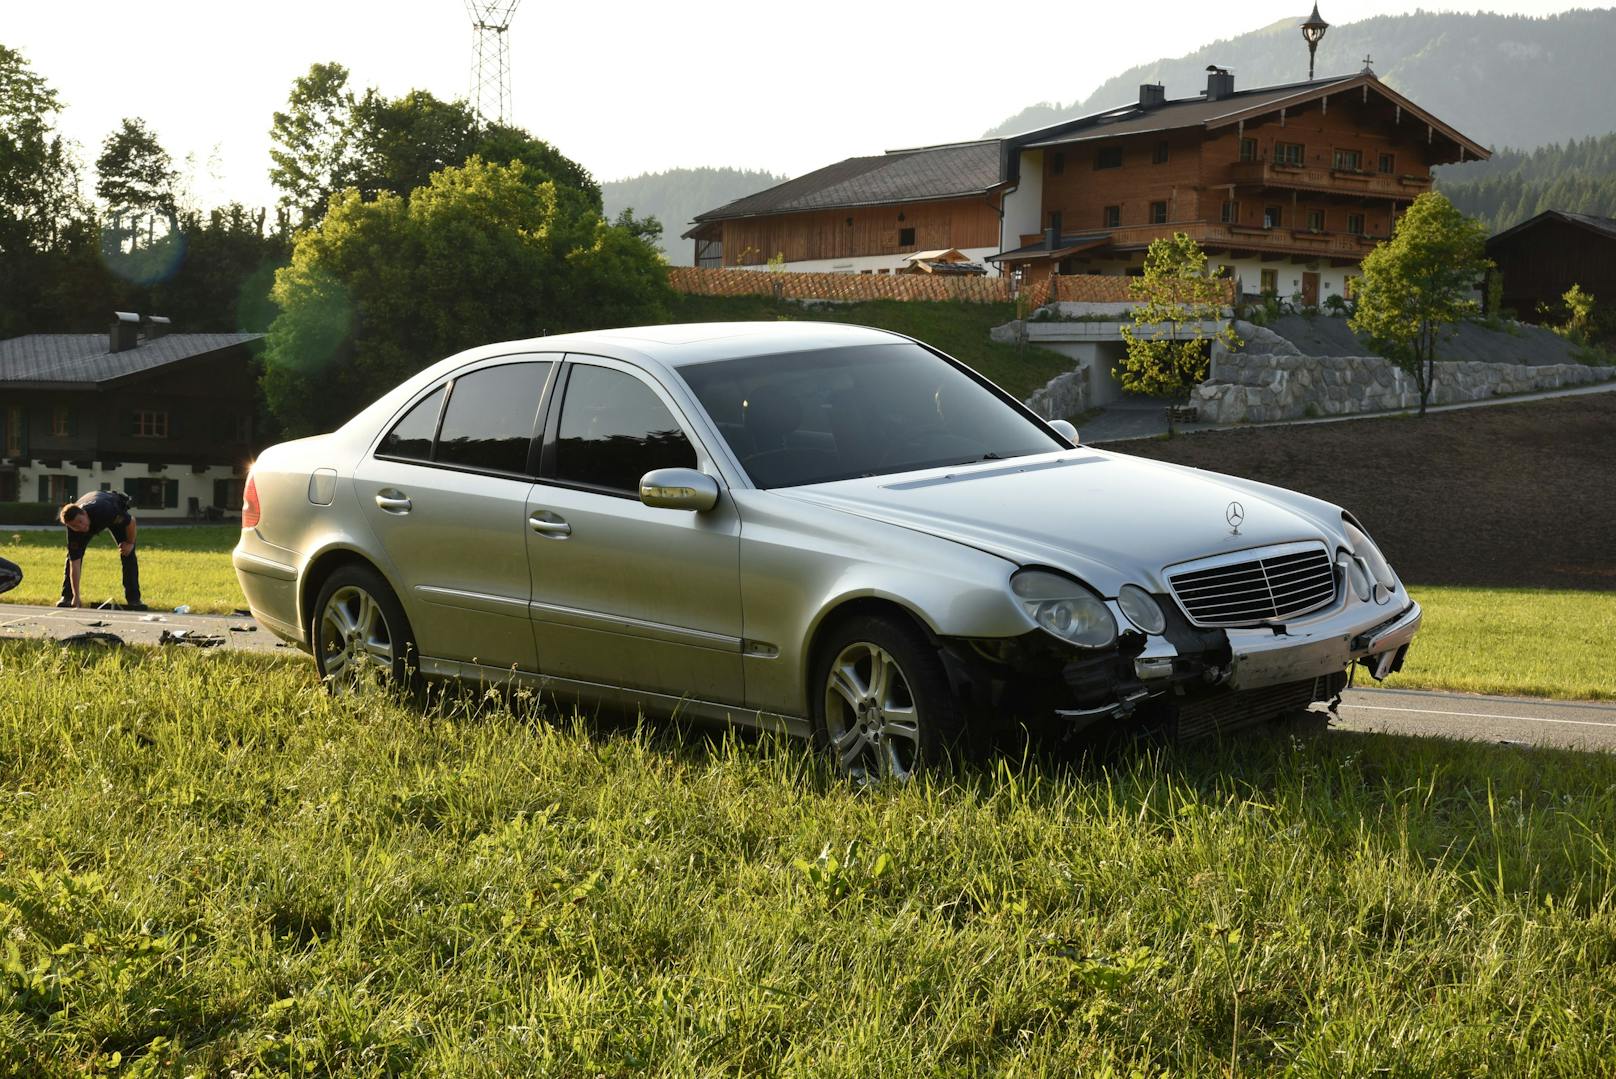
pixel 1520 720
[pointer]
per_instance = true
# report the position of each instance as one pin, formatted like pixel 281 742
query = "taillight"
pixel 250 512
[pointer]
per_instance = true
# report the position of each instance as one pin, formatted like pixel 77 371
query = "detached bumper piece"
pixel 1222 713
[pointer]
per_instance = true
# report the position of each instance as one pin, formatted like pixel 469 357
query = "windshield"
pixel 811 417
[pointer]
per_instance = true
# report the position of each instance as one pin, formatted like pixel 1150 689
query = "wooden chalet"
pixel 167 418
pixel 1541 258
pixel 864 214
pixel 1287 187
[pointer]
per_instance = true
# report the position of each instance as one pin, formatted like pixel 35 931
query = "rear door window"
pixel 489 421
pixel 614 430
pixel 411 437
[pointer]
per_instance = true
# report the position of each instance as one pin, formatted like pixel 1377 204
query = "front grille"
pixel 1275 586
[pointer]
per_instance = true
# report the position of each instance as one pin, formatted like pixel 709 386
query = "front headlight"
pixel 1064 608
pixel 1364 548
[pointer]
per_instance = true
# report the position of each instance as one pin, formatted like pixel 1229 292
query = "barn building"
pixel 1541 258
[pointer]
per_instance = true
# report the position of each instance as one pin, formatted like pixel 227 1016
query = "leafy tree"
pixel 1419 284
pixel 331 139
pixel 312 142
pixel 1169 345
pixel 481 252
pixel 38 176
pixel 134 173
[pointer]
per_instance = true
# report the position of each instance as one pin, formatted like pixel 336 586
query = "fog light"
pixel 1141 608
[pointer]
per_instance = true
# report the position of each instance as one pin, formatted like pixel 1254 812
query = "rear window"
pixel 489 421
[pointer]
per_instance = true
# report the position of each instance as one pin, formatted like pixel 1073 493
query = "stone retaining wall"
pixel 1260 387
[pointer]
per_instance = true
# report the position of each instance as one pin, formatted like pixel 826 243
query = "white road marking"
pixel 1480 715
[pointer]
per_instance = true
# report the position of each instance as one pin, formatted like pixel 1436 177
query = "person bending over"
pixel 84 519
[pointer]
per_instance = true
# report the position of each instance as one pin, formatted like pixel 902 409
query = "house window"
pixel 1355 225
pixel 61 422
pixel 1108 157
pixel 1113 217
pixel 1230 214
pixel 906 237
pixel 1057 162
pixel 1349 160
pixel 1388 163
pixel 150 424
pixel 1158 213
pixel 1159 156
pixel 13 419
pixel 227 494
pixel 1315 221
pixel 1248 149
pixel 1272 217
pixel 1289 153
pixel 1270 282
pixel 56 490
pixel 1055 224
pixel 151 493
pixel 1349 287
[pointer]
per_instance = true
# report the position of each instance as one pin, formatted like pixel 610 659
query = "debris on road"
pixel 184 608
pixel 185 636
pixel 94 639
pixel 153 618
pixel 243 629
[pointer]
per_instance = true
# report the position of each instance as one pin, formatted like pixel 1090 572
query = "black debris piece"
pixel 92 640
pixel 243 629
pixel 185 636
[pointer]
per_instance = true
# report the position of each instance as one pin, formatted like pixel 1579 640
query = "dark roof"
pixel 1064 246
pixel 929 172
pixel 82 358
pixel 1136 119
pixel 1605 226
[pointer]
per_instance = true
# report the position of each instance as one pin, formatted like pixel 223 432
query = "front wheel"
pixel 360 634
pixel 882 704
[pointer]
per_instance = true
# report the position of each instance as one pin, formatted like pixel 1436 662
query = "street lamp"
pixel 1313 30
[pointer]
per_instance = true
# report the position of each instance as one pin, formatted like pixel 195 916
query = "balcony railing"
pixel 1252 237
pixel 1333 181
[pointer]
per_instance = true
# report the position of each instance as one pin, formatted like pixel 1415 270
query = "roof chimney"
pixel 156 326
pixel 1152 94
pixel 1219 83
pixel 125 331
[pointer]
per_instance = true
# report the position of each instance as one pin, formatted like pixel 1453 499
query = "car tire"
pixel 360 635
pixel 881 700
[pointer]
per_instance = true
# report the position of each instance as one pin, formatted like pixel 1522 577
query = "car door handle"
pixel 549 524
pixel 391 501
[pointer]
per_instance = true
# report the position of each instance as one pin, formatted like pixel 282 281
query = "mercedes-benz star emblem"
pixel 1234 515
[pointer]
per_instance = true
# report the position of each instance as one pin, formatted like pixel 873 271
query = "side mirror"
pixel 1065 430
pixel 679 489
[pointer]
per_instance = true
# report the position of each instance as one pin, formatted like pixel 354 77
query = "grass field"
pixel 959 329
pixel 177 566
pixel 209 867
pixel 1528 642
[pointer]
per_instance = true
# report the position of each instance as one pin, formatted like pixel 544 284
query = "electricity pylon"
pixel 491 57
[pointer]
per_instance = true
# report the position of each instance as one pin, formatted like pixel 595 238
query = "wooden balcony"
pixel 1281 241
pixel 1348 182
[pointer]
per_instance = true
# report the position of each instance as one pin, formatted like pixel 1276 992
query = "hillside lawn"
pixel 211 867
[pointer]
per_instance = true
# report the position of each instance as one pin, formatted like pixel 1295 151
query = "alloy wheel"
pixel 355 641
pixel 870 714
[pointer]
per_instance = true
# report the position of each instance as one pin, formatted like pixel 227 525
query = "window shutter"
pixel 171 494
pixel 72 488
pixel 128 424
pixel 44 488
pixel 131 487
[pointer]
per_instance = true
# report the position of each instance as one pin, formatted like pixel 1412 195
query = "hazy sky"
pixel 623 88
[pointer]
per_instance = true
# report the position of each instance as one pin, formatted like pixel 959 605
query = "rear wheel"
pixel 360 635
pixel 882 704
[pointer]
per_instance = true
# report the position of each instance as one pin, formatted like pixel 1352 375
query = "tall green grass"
pixel 209 867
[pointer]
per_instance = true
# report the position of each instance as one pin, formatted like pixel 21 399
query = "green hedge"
pixel 27 513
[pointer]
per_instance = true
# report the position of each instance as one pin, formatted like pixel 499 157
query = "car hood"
pixel 1107 518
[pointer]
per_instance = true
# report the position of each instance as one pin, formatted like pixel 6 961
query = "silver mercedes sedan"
pixel 835 531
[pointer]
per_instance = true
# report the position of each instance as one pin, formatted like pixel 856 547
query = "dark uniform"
pixel 10 575
pixel 108 510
